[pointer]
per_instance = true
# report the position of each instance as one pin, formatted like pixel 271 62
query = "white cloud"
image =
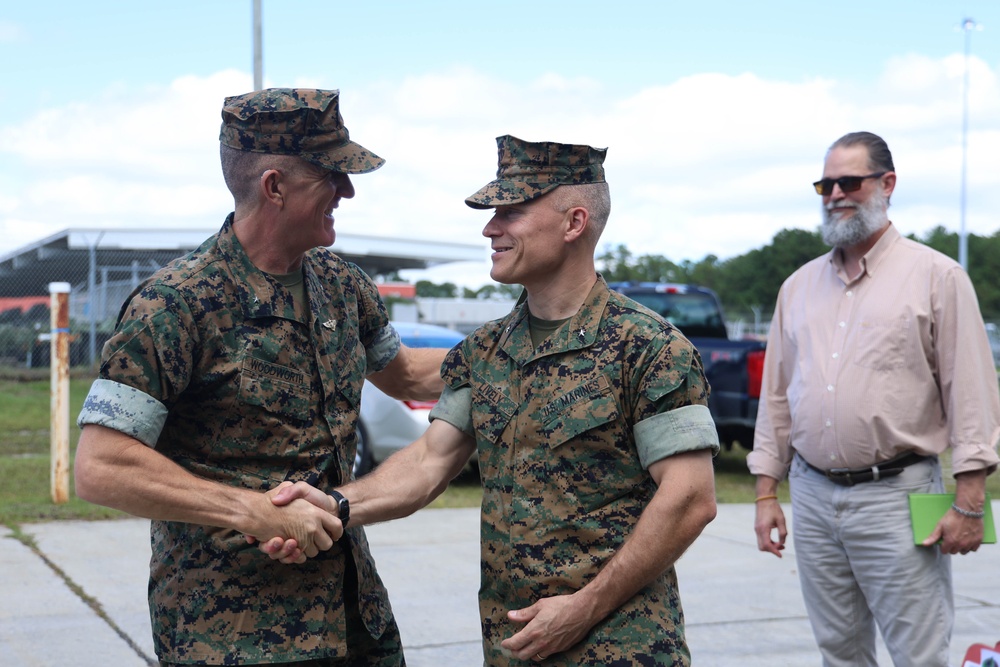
pixel 10 32
pixel 707 164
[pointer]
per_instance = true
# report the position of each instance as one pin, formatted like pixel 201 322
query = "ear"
pixel 578 220
pixel 889 183
pixel 271 188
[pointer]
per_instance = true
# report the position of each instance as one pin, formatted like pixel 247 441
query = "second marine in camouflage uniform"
pixel 563 481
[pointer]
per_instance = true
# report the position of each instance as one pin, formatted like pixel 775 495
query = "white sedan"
pixel 386 424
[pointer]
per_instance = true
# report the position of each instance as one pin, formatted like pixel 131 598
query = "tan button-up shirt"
pixel 895 360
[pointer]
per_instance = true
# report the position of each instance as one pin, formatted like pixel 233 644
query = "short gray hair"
pixel 595 197
pixel 242 170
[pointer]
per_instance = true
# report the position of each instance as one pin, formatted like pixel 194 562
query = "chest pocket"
pixel 882 344
pixel 492 409
pixel 577 411
pixel 275 388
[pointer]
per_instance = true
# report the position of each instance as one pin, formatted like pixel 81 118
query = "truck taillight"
pixel 755 372
pixel 427 405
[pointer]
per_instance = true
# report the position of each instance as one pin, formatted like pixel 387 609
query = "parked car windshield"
pixel 696 315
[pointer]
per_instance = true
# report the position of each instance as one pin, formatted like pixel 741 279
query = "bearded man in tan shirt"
pixel 877 362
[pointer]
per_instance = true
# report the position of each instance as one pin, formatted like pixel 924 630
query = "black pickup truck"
pixel 733 367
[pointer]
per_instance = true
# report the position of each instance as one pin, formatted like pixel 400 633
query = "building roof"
pixel 66 256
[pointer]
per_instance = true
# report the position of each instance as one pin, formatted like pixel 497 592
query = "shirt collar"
pixel 580 331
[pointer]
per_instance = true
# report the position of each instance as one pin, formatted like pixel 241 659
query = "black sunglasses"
pixel 846 183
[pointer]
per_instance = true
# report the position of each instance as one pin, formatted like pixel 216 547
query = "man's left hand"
pixel 957 534
pixel 553 625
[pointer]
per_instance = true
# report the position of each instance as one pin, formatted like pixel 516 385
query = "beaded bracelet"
pixel 968 513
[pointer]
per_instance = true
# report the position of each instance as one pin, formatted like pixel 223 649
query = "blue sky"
pixel 716 114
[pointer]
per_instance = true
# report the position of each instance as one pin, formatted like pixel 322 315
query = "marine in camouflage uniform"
pixel 216 366
pixel 565 432
pixel 564 481
pixel 592 439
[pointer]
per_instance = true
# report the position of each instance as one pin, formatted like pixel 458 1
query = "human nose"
pixel 492 228
pixel 345 189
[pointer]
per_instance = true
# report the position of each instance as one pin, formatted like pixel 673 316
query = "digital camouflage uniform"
pixel 210 365
pixel 563 483
pixel 559 432
pixel 251 396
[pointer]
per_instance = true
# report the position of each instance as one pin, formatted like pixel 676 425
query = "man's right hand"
pixel 285 547
pixel 770 518
pixel 305 523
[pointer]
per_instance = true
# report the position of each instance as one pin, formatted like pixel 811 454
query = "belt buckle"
pixel 842 475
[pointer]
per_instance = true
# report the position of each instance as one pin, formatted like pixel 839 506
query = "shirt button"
pixel 836 354
pixel 850 293
pixel 833 457
pixel 829 387
pixel 828 423
pixel 842 324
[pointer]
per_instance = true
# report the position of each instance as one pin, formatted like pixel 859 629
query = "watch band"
pixel 343 507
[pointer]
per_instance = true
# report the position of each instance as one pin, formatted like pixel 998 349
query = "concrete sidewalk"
pixel 78 597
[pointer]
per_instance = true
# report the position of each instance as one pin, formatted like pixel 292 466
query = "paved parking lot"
pixel 79 597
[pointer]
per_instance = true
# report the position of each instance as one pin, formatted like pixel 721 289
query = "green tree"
pixel 615 264
pixel 426 288
pixel 493 291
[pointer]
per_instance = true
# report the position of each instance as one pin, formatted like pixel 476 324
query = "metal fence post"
pixel 59 391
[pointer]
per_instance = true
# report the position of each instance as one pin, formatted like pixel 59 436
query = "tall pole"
pixel 258 67
pixel 968 25
pixel 59 391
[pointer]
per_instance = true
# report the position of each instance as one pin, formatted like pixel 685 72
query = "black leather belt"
pixel 852 476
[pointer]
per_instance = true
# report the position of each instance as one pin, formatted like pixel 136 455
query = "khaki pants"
pixel 858 567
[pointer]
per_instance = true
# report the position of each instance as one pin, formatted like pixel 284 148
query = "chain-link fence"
pixel 101 270
pixel 104 266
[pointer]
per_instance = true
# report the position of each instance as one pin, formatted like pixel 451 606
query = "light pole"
pixel 968 25
pixel 258 68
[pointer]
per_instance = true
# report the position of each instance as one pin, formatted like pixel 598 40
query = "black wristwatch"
pixel 343 507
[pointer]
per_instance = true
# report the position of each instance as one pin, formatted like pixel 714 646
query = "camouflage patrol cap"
pixel 295 121
pixel 528 170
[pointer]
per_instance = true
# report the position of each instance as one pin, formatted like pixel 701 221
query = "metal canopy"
pixel 70 255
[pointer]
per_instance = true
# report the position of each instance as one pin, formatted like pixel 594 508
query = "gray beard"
pixel 869 217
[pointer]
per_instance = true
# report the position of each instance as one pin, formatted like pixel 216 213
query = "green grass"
pixel 25 460
pixel 733 482
pixel 25 452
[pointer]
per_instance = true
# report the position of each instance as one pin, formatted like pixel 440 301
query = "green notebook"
pixel 926 509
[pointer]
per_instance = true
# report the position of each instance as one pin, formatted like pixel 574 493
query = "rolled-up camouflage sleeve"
pixel 383 349
pixel 124 408
pixel 455 404
pixel 455 407
pixel 685 429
